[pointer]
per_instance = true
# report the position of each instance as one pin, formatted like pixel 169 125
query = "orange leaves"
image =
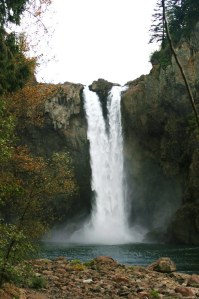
pixel 28 103
pixel 27 163
pixel 44 177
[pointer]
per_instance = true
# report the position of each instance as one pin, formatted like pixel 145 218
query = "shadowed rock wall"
pixel 161 148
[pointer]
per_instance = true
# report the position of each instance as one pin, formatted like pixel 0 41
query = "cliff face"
pixel 65 111
pixel 161 147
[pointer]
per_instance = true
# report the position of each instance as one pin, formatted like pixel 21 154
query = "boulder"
pixel 105 261
pixel 164 265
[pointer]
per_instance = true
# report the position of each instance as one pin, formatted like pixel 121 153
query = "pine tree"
pixel 182 16
pixel 14 68
pixel 11 10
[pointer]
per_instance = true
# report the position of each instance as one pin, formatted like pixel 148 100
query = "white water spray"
pixel 108 223
pixel 108 220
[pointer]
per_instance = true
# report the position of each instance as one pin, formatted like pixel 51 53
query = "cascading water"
pixel 108 222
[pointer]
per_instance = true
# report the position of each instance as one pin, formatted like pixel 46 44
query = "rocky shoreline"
pixel 104 277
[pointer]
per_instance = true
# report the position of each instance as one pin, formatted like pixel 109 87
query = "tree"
pixel 15 68
pixel 27 191
pixel 10 11
pixel 158 33
pixel 27 183
pixel 182 16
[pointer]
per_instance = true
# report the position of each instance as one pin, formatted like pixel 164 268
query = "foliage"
pixel 14 247
pixel 161 57
pixel 27 202
pixel 28 102
pixel 10 11
pixel 15 69
pixel 157 28
pixel 37 282
pixel 154 294
pixel 182 16
pixel 75 262
pixel 28 183
pixel 89 263
pixel 7 122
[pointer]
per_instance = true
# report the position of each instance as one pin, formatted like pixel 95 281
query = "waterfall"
pixel 108 222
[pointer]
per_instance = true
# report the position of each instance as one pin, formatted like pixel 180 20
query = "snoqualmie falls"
pixel 109 219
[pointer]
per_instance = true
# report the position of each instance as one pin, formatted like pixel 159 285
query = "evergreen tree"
pixel 11 10
pixel 14 68
pixel 182 16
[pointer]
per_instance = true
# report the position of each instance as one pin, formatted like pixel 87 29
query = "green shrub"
pixel 37 282
pixel 89 263
pixel 154 294
pixel 162 57
pixel 75 262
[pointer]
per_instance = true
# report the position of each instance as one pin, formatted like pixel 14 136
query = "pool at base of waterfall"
pixel 186 257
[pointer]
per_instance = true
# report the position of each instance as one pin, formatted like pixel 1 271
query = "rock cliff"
pixel 161 147
pixel 65 112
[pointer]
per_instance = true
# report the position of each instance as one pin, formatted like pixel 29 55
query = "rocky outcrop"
pixel 161 147
pixel 102 88
pixel 64 105
pixel 65 112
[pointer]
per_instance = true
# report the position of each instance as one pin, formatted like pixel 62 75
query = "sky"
pixel 98 39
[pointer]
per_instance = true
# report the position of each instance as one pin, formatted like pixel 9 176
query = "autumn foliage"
pixel 28 102
pixel 29 184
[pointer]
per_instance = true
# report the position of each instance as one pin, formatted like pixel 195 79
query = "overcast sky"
pixel 98 39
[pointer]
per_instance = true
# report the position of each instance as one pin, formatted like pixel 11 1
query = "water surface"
pixel 185 257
